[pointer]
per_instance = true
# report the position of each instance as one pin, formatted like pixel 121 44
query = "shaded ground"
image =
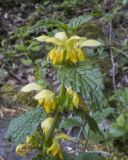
pixel 7 149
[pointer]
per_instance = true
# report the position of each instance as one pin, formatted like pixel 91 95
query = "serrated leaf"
pixel 71 122
pixel 25 125
pixel 89 156
pixel 27 61
pixel 46 23
pixel 92 123
pixel 116 131
pixel 78 21
pixel 99 116
pixel 86 80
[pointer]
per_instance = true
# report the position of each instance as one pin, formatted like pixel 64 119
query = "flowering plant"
pixel 80 92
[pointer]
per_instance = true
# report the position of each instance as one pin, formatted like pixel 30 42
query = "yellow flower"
pixel 67 49
pixel 62 136
pixel 49 105
pixel 31 87
pixel 44 94
pixel 46 124
pixel 82 56
pixel 56 149
pixel 23 149
pixel 75 96
pixel 56 55
pixel 70 91
pixel 29 139
pixel 76 100
pixel 46 98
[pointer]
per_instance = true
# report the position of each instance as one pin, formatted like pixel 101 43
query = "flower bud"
pixel 46 124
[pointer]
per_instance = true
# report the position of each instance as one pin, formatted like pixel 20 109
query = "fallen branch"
pixel 112 58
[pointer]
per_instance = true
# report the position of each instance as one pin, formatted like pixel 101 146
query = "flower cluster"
pixel 67 49
pixel 55 148
pixel 45 97
pixel 75 97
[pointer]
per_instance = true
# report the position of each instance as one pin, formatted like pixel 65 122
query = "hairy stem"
pixel 57 114
pixel 54 124
pixel 112 58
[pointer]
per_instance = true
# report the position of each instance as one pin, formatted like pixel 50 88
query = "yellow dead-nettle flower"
pixel 23 149
pixel 46 98
pixel 56 55
pixel 61 136
pixel 55 148
pixel 75 96
pixel 46 124
pixel 76 99
pixel 31 87
pixel 67 49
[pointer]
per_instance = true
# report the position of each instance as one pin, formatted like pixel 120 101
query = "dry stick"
pixel 112 57
pixel 14 76
pixel 70 116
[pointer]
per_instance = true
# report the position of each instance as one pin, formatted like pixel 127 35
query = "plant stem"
pixel 87 138
pixel 54 124
pixel 57 114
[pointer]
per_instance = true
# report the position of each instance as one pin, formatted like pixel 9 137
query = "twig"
pixel 14 76
pixel 87 138
pixel 80 132
pixel 70 116
pixel 6 92
pixel 112 57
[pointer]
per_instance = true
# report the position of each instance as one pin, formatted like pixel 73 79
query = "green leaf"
pixel 25 125
pixel 116 131
pixel 3 74
pixel 68 156
pixel 92 123
pixel 89 156
pixel 121 120
pixel 27 61
pixel 79 21
pixel 99 116
pixel 34 46
pixel 47 23
pixel 71 122
pixel 121 96
pixel 86 80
